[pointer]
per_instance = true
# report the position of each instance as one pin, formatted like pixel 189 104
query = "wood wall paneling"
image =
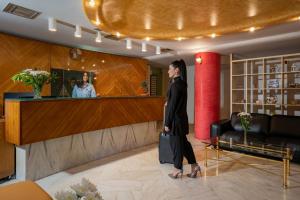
pixel 7 154
pixel 117 76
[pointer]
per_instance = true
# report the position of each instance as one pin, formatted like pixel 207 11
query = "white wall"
pixel 191 87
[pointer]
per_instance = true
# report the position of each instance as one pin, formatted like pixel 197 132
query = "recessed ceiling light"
pixel 213 35
pixel 103 61
pixel 82 67
pixel 179 38
pixel 298 18
pixel 92 3
pixel 147 39
pixel 94 65
pixel 97 22
pixel 118 34
pixel 252 29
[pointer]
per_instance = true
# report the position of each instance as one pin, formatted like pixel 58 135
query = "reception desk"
pixel 55 134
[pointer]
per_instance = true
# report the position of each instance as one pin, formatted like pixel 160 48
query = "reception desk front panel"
pixel 30 121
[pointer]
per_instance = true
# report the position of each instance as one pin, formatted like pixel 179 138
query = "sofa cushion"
pixel 283 125
pixel 260 123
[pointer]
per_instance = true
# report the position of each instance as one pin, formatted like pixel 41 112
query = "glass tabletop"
pixel 254 147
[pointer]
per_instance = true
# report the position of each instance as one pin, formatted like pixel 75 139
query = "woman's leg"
pixel 188 151
pixel 177 148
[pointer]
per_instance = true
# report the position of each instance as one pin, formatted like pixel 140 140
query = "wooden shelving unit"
pixel 255 81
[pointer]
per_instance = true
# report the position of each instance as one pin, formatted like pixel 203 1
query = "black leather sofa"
pixel 279 130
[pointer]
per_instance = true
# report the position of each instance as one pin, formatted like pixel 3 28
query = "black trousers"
pixel 181 147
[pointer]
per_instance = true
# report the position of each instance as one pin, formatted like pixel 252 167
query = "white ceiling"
pixel 284 38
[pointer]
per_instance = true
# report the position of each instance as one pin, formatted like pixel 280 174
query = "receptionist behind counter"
pixel 84 89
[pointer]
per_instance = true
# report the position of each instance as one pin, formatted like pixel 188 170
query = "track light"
pixel 213 35
pixel 157 50
pixel 144 47
pixel 77 31
pixel 51 24
pixel 128 44
pixel 252 29
pixel 98 38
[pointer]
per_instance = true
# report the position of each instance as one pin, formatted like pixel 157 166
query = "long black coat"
pixel 176 115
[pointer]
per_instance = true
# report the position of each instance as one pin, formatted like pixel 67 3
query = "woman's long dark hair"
pixel 180 64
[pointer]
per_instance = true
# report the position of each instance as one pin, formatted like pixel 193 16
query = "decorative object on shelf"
pixel 273 83
pixel 294 67
pixel 275 68
pixel 245 122
pixel 272 99
pixel 34 78
pixel 84 191
pixel 292 85
pixel 258 102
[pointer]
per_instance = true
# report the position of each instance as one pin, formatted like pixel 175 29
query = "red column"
pixel 207 92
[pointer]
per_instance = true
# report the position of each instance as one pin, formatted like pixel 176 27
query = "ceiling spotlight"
pixel 147 39
pixel 179 39
pixel 144 47
pixel 92 3
pixel 199 60
pixel 97 22
pixel 118 34
pixel 157 50
pixel 252 29
pixel 51 24
pixel 94 65
pixel 82 67
pixel 77 31
pixel 213 35
pixel 103 61
pixel 99 37
pixel 128 44
pixel 298 18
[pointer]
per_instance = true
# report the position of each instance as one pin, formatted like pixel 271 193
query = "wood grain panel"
pixel 17 54
pixel 7 154
pixel 48 119
pixel 117 76
pixel 12 122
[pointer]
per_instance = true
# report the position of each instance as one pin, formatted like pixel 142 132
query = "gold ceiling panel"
pixel 170 19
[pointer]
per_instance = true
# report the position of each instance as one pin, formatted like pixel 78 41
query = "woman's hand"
pixel 167 129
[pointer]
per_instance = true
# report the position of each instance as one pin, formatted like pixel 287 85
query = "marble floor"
pixel 138 175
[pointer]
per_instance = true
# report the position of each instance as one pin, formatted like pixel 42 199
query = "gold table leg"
pixel 205 154
pixel 218 148
pixel 285 175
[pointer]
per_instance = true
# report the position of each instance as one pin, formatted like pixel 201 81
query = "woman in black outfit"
pixel 176 122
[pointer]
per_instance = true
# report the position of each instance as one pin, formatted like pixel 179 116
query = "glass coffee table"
pixel 255 148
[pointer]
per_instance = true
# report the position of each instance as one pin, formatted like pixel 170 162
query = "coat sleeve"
pixel 171 107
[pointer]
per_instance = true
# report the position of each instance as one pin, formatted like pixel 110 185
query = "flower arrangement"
pixel 34 78
pixel 245 120
pixel 84 191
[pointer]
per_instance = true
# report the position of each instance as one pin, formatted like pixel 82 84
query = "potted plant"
pixel 144 86
pixel 34 78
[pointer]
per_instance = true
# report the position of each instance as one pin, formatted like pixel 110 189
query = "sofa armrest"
pixel 219 127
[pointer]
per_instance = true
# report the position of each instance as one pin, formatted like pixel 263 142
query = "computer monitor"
pixel 15 95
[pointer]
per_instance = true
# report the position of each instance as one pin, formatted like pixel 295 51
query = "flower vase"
pixel 37 92
pixel 245 137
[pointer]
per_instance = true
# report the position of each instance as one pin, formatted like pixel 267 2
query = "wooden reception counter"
pixel 53 135
pixel 34 120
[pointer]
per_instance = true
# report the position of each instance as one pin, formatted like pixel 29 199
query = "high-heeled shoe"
pixel 177 175
pixel 194 172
